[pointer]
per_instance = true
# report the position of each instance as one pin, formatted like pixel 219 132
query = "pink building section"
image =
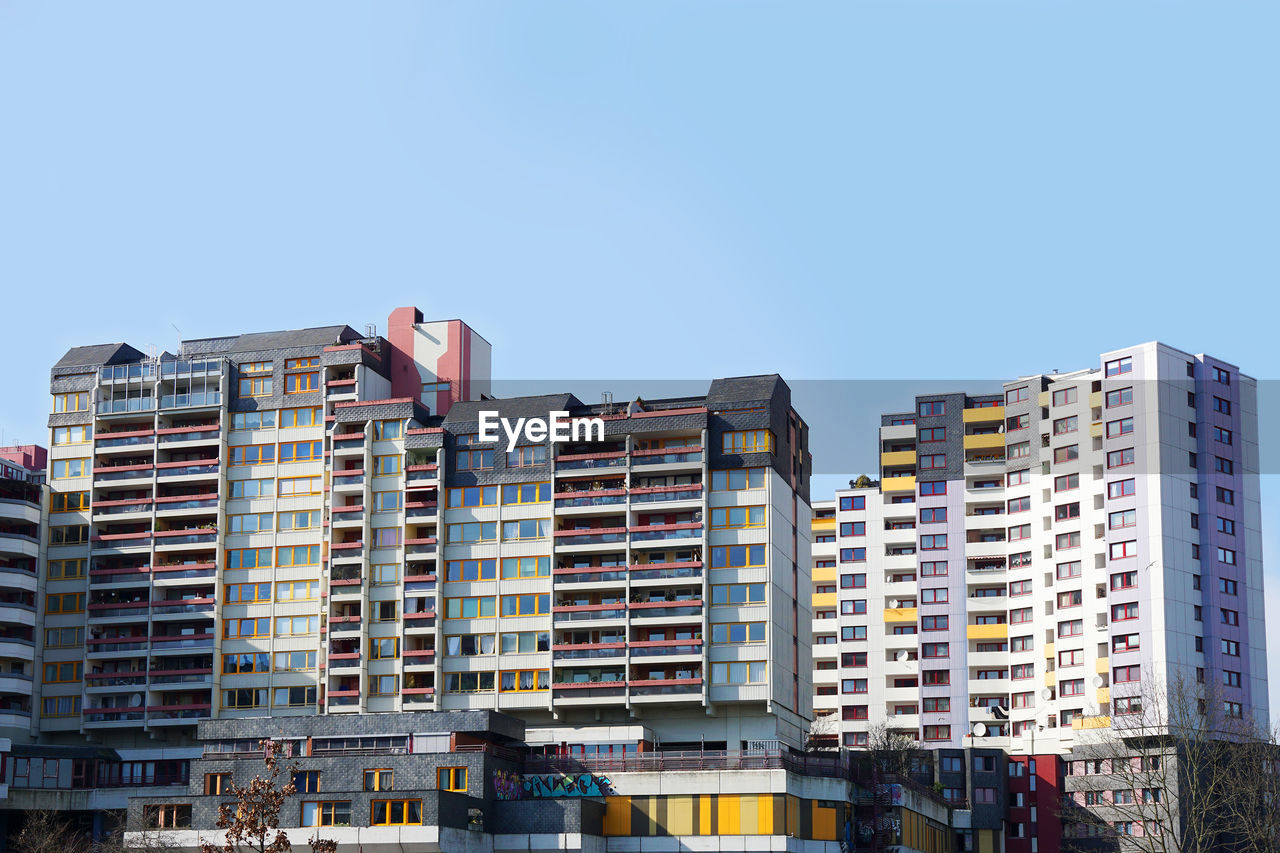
pixel 427 353
pixel 33 457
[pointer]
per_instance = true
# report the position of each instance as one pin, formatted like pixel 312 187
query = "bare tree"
pixel 885 760
pixel 824 733
pixel 142 838
pixel 1163 775
pixel 45 831
pixel 252 820
pixel 1255 808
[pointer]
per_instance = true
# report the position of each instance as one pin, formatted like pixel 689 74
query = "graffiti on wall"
pixel 513 786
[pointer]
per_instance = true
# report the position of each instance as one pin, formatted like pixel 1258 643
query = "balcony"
pixel 420 475
pixel 986 441
pixel 666 494
pixel 665 532
pixel 186 536
pixel 645 610
pixel 342 551
pixel 601 575
pixel 666 648
pixel 900 614
pixel 349 480
pixel 189 434
pixel 897 458
pixel 988 632
pixel 591 461
pixel 420 549
pixel 573 538
pixel 421 510
pixel 197 400
pixel 181 714
pixel 192 468
pixel 205 503
pixel 666 571
pixel 587 692
pixel 109 442
pixel 590 499
pixel 983 414
pixel 588 652
pixel 122 473
pixel 684 456
pixel 898 484
pixel 659 689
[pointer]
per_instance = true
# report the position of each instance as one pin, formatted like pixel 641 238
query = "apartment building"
pixel 825 731
pixel 22 505
pixel 1031 563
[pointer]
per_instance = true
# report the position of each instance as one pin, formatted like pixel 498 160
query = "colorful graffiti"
pixel 513 786
pixel 506 785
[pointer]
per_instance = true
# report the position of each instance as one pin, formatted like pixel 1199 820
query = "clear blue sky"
pixel 904 188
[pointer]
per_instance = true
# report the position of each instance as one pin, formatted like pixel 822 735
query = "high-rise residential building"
pixel 322 522
pixel 21 522
pixel 1032 564
pixel 826 651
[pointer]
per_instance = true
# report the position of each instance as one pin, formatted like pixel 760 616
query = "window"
pixel 934 623
pixel 935 650
pixel 246 593
pixel 295 697
pixel 933 569
pixel 261 488
pixel 1120 489
pixel 474 607
pixel 473 459
pixel 253 454
pixel 526 493
pixel 1064 396
pixel 1124 580
pixel 526 529
pixel 529 604
pixel 747 441
pixel 294 625
pixel 62 673
pixel 1070 598
pixel 386 465
pixel 933 461
pixel 1020 588
pixel 1022 671
pixel 1231 647
pixel 80 434
pixel 260 522
pixel 740 556
pixel 69 534
pixel 1017 395
pixel 384 648
pixel 1020 615
pixel 1230 617
pixel 1065 512
pixel 853 528
pixel 933 408
pixel 66 469
pixel 469 570
pixel 1121 550
pixel 1062 426
pixel 741 672
pixel 63 602
pixel 527 456
pixel 62 570
pixel 395 812
pixel 297 555
pixel 1072 628
pixel 1115 429
pixel 1223 466
pixel 1018 478
pixel 933 515
pixel 451 779
pixel 1221 406
pixel 77 401
pixel 302 451
pixel 1020 450
pixel 473 496
pixel 1119 397
pixel 244 699
pixel 738 593
pixel 853 502
pixel 1124 612
pixel 1226 496
pixel 1066 482
pixel 933 434
pixel 1120 458
pixel 1126 674
pixel 168 816
pixel 524 680
pixel 525 567
pixel 301 383
pixel 1119 366
pixel 472 532
pixel 1066 541
pixel 737 517
pixel 933 542
pixel 1066 454
pixel 296 661
pixel 934 596
pixel 332 813
pixel 1017 422
pixel 1222 435
pixel 307 519
pixel 1123 518
pixel 738 479
pixel 853 685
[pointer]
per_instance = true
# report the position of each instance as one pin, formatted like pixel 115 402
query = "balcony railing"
pixel 666 457
pixel 591 536
pixel 183 401
pixel 585 461
pixel 609 497
pixel 666 493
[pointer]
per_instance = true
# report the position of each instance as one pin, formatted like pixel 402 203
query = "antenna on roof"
pixel 179 331
pixel 370 330
pixel 606 402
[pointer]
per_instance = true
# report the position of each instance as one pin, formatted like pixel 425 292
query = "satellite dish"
pixel 135 700
pixel 1097 681
pixel 1046 694
pixel 902 656
pixel 979 729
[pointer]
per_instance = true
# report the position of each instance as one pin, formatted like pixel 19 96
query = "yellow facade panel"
pixel 617 816
pixel 1103 666
pixel 898 484
pixel 1104 695
pixel 900 614
pixel 988 632
pixel 898 457
pixel 983 414
pixel 991 441
pixel 679 815
pixel 730 814
pixel 826 574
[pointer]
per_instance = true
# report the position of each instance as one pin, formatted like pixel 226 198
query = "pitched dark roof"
pixel 319 336
pixel 743 389
pixel 468 411
pixel 99 354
